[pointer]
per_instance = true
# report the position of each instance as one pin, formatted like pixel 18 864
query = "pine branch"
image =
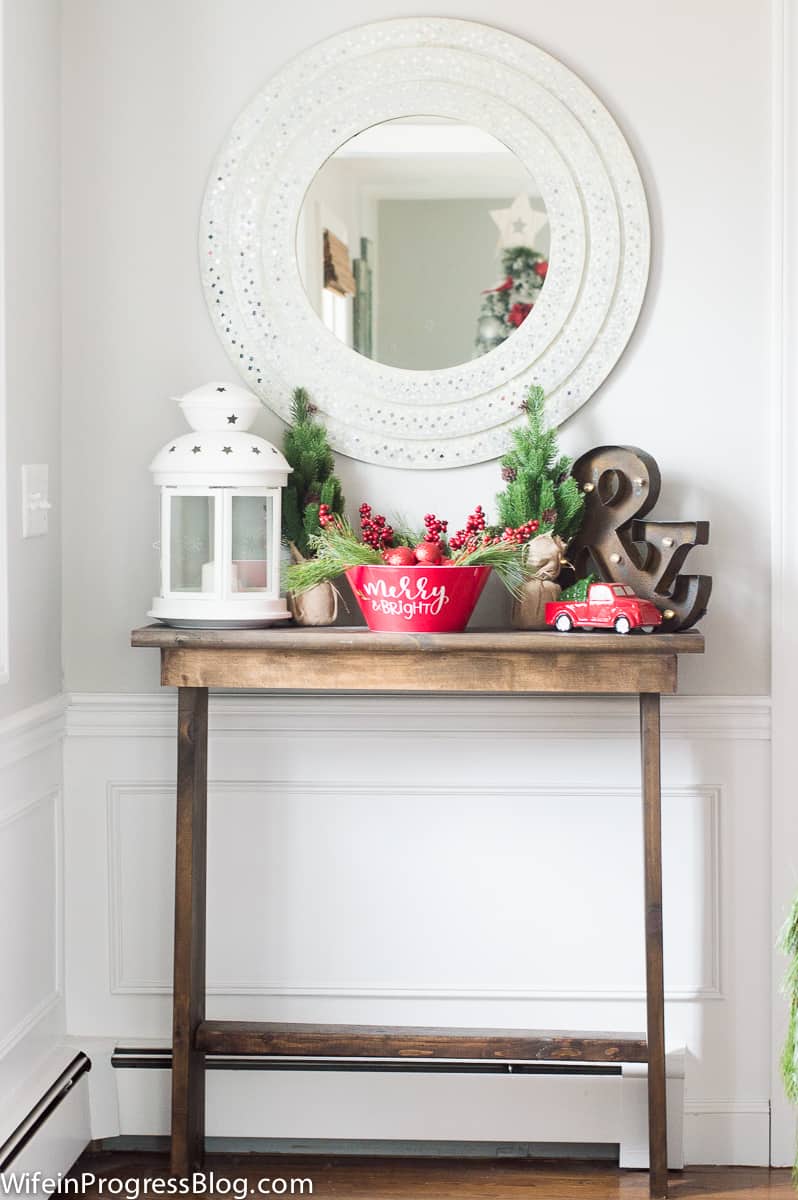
pixel 507 561
pixel 334 550
pixel 300 406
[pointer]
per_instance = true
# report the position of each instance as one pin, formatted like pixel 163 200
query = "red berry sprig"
pixel 326 516
pixel 374 530
pixel 521 534
pixel 468 538
pixel 435 528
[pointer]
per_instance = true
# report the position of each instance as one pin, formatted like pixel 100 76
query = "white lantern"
pixel 220 516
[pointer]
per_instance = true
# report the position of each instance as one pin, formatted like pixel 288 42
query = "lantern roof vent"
pixel 219 452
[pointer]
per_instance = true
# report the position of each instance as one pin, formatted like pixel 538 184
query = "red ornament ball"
pixel 399 556
pixel 428 553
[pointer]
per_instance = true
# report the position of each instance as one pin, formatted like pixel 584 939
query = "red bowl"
pixel 417 599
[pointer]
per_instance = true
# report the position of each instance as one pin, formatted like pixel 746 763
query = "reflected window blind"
pixel 338 275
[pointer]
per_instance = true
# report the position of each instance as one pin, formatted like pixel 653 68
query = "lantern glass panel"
pixel 252 520
pixel 192 544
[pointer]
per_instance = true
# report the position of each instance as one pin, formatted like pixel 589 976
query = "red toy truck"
pixel 608 606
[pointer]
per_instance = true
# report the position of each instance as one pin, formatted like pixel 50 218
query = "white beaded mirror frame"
pixel 589 181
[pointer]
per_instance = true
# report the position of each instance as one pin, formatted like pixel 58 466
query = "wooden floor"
pixel 449 1179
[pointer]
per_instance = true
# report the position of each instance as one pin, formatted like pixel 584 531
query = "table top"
pixel 336 640
pixel 480 660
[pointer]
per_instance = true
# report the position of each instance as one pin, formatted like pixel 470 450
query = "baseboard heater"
pixel 251 1098
pixel 135 1058
pixel 58 1119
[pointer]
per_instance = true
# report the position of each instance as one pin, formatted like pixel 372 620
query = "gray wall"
pixel 31 128
pixel 150 91
pixel 435 258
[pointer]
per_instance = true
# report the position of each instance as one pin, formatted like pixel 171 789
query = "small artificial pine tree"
pixel 313 481
pixel 507 306
pixel 540 486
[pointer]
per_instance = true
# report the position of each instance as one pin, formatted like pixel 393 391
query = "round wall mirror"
pixel 416 220
pixel 423 242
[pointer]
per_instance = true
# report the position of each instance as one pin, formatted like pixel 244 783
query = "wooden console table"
pixel 356 660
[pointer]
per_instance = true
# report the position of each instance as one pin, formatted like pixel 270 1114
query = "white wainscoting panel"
pixel 435 861
pixel 32 1019
pixel 460 856
pixel 30 889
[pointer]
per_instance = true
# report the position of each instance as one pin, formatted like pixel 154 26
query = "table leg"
pixel 188 1065
pixel 655 998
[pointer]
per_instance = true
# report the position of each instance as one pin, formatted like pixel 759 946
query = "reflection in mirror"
pixel 423 242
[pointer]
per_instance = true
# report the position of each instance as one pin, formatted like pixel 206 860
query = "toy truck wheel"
pixel 622 625
pixel 648 628
pixel 563 623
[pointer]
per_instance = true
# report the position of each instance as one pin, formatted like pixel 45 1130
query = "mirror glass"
pixel 423 242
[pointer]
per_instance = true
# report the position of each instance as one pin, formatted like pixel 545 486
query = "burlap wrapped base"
pixel 317 606
pixel 530 611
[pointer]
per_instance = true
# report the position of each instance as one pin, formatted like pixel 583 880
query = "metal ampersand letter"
pixel 621 485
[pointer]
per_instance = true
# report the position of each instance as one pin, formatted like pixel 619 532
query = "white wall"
pixel 150 89
pixel 31 102
pixel 32 1011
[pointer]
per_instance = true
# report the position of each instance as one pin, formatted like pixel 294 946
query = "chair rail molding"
pixel 32 729
pixel 281 715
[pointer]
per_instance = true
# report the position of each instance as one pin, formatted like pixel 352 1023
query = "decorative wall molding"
pixel 122 983
pixel 285 715
pixel 29 1021
pixel 21 808
pixel 31 730
pixel 729 1131
pixel 723 1107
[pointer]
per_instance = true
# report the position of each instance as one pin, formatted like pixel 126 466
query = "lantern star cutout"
pixel 520 224
pixel 231 420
